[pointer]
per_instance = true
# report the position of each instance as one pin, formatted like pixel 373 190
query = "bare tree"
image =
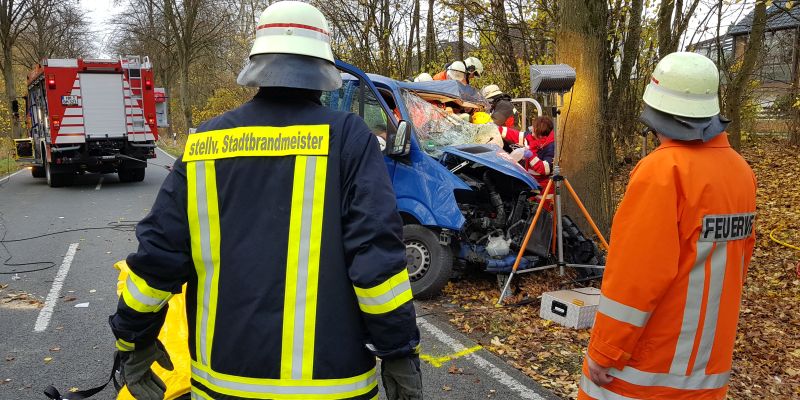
pixel 14 19
pixel 430 36
pixel 57 29
pixel 672 24
pixel 736 91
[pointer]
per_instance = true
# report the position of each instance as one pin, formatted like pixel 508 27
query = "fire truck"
pixel 89 115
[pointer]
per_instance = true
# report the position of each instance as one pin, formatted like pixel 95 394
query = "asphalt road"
pixel 54 321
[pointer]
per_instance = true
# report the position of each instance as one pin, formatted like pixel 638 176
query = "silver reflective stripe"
pixel 205 248
pixel 691 313
pixel 302 387
pixel 719 263
pixel 143 298
pixel 302 269
pixel 695 381
pixel 598 392
pixel 386 297
pixel 622 312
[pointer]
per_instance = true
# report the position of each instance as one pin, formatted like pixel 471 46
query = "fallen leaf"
pixel 73 389
pixel 70 298
pixel 48 359
pixel 446 388
pixel 10 358
pixel 455 370
pixel 54 349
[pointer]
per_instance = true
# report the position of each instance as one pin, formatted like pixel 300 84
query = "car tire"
pixel 38 172
pixel 131 174
pixel 429 263
pixel 57 179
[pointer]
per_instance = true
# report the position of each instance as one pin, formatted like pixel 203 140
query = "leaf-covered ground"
pixel 767 355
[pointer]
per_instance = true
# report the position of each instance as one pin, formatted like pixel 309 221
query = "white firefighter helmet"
pixel 457 66
pixel 291 49
pixel 684 84
pixel 423 77
pixel 475 65
pixel 490 91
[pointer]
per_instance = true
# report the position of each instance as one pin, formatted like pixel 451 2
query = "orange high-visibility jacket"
pixel 681 243
pixel 441 76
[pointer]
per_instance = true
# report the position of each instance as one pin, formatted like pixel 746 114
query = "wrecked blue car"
pixel 463 201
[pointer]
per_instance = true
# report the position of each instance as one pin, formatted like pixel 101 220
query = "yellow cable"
pixel 780 242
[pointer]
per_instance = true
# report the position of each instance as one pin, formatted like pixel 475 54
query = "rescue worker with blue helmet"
pixel 281 219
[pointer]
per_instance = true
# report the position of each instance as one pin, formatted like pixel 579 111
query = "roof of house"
pixel 778 17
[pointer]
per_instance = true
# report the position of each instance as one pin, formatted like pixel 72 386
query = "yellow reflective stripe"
pixel 147 290
pixel 292 259
pixel 123 345
pixel 258 141
pixel 314 250
pixel 387 296
pixel 203 214
pixel 214 233
pixel 279 389
pixel 197 255
pixel 199 394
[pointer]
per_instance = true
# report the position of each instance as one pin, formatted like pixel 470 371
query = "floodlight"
pixel 557 78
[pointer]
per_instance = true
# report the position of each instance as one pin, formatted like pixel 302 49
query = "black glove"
pixel 402 378
pixel 137 375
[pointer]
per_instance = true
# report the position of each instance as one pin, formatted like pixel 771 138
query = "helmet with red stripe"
pixel 292 48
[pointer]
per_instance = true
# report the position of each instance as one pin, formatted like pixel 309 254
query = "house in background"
pixel 779 65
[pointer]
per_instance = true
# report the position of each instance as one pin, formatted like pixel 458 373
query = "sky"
pixel 100 13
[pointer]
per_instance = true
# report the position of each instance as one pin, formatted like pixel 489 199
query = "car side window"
pixel 360 100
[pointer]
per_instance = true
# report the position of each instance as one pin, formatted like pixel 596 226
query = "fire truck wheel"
pixel 131 174
pixel 38 172
pixel 57 179
pixel 429 263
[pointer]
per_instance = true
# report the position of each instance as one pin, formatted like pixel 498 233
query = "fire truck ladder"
pixel 133 67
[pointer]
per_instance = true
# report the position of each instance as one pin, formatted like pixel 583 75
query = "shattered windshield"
pixel 437 126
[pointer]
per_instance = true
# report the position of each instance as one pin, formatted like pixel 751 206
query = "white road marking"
pixel 167 154
pixel 8 177
pixel 99 183
pixel 49 304
pixel 492 370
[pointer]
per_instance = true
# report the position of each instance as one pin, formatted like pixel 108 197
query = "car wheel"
pixel 429 264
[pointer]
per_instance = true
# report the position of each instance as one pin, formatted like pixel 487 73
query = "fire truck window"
pixel 134 73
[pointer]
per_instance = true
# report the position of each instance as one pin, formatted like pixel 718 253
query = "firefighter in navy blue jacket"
pixel 281 217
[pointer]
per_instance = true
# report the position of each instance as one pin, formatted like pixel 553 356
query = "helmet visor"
pixel 290 70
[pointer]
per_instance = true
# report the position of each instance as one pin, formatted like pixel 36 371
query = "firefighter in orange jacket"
pixel 682 240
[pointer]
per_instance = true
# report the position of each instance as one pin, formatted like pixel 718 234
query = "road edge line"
pixel 12 174
pixel 49 305
pixel 167 154
pixel 498 374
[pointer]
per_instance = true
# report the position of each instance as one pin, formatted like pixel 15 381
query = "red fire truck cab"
pixel 88 115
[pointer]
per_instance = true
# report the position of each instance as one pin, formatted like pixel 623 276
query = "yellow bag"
pixel 175 337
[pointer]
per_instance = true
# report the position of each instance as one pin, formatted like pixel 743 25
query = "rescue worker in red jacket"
pixel 281 218
pixel 681 243
pixel 540 163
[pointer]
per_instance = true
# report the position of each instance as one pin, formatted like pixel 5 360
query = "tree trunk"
pixel 617 120
pixel 11 91
pixel 460 44
pixel 666 44
pixel 410 47
pixel 430 37
pixel 581 43
pixel 505 48
pixel 186 106
pixel 737 89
